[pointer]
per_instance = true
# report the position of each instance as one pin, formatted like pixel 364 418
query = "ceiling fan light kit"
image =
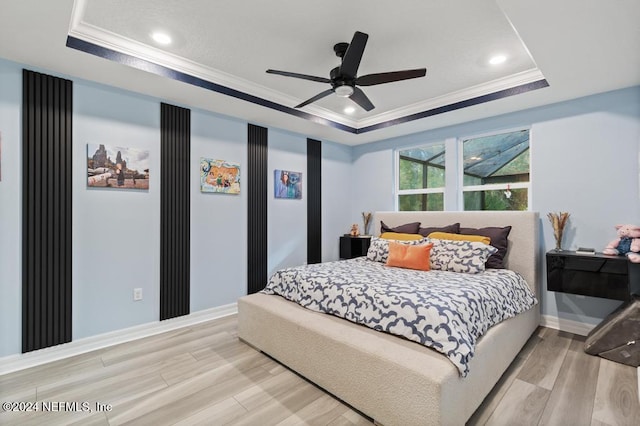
pixel 344 79
pixel 343 91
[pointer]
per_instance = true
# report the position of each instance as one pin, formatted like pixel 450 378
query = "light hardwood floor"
pixel 203 375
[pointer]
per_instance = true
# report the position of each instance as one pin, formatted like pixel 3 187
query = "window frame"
pixel 454 188
pixel 398 192
pixel 490 186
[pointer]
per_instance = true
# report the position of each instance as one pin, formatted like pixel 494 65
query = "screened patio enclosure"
pixel 495 171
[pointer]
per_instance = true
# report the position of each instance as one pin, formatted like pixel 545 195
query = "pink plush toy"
pixel 628 242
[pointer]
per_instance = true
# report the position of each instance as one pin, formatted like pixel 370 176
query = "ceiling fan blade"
pixel 302 76
pixel 388 77
pixel 361 99
pixel 315 98
pixel 353 55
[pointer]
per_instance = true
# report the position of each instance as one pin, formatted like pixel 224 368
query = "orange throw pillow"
pixel 409 257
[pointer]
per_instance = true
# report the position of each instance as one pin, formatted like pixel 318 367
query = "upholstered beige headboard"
pixel 523 253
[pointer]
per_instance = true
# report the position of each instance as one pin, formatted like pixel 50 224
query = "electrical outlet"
pixel 137 294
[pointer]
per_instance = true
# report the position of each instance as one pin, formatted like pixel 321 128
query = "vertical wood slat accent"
pixel 314 201
pixel 257 139
pixel 47 112
pixel 175 260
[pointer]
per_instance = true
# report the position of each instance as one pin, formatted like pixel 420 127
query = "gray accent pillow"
pixel 499 239
pixel 450 229
pixel 407 228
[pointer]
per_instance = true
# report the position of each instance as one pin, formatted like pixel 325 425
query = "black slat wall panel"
pixel 175 146
pixel 257 209
pixel 314 201
pixel 47 109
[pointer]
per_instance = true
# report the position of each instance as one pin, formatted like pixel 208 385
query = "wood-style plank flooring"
pixel 203 375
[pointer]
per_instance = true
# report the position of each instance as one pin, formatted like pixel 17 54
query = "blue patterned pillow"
pixel 467 257
pixel 379 248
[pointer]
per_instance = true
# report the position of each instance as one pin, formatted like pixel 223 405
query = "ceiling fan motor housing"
pixel 338 80
pixel 340 49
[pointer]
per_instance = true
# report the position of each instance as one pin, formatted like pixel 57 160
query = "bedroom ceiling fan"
pixel 344 78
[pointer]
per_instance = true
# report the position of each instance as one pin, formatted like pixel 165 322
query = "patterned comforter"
pixel 446 311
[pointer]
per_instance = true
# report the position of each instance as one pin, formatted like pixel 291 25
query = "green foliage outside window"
pixel 496 200
pixel 421 202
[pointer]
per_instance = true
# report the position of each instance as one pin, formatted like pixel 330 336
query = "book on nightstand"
pixel 585 250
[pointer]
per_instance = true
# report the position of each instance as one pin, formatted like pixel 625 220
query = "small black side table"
pixel 351 247
pixel 597 275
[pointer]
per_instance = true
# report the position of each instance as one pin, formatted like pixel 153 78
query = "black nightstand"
pixel 598 275
pixel 351 247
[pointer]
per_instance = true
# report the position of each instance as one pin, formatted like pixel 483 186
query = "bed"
pixel 391 379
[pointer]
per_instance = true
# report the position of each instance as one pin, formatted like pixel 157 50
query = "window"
pixel 492 174
pixel 421 172
pixel 495 172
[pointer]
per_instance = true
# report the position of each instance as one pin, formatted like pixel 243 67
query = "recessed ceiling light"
pixel 497 60
pixel 349 110
pixel 161 38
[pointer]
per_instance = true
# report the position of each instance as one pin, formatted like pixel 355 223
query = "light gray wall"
pixel 218 221
pixel 586 164
pixel 336 193
pixel 10 209
pixel 286 218
pixel 585 157
pixel 115 232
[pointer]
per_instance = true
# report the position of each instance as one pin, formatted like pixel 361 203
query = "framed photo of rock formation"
pixel 117 167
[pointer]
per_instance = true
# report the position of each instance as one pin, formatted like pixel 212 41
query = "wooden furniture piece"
pixel 390 379
pixel 351 247
pixel 599 275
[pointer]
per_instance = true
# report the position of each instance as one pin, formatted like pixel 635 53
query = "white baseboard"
pixel 18 362
pixel 569 326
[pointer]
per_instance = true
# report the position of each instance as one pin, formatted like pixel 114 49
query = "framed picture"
pixel 287 184
pixel 219 176
pixel 117 167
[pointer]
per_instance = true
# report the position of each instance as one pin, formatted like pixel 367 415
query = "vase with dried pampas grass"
pixel 366 218
pixel 558 221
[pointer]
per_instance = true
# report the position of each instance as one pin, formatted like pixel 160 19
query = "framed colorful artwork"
pixel 219 176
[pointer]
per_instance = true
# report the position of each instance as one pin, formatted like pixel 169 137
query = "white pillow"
pixel 467 257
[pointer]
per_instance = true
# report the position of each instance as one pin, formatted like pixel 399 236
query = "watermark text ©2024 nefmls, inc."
pixel 55 406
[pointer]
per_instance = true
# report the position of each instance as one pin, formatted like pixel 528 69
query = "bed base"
pixel 392 380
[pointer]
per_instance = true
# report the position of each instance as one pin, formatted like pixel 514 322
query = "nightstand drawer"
pixel 608 266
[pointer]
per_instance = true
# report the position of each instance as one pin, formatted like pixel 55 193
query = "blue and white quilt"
pixel 446 311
